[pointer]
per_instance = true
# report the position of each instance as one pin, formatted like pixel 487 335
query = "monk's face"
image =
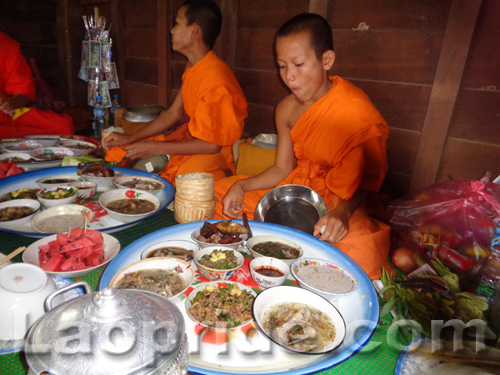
pixel 305 75
pixel 181 32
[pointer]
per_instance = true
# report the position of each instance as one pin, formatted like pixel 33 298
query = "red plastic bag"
pixel 451 220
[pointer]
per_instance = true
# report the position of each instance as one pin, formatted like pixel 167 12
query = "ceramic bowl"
pixel 268 298
pixel 31 203
pixel 23 290
pixel 86 189
pixel 143 183
pixel 184 269
pixel 215 274
pixel 61 218
pixel 212 286
pixel 272 264
pixel 52 202
pixel 189 246
pixel 106 198
pixel 341 282
pixel 111 247
pixel 260 239
pixel 16 157
pixel 77 147
pixel 50 153
pixel 59 180
pixel 103 183
pixel 202 244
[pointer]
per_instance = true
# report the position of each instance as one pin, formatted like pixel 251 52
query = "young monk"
pixel 210 96
pixel 330 138
pixel 17 91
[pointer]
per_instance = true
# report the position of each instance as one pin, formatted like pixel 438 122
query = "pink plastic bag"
pixel 451 220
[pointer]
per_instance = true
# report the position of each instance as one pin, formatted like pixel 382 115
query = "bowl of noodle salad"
pixel 220 304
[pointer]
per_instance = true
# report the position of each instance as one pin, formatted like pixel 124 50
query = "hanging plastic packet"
pixel 106 57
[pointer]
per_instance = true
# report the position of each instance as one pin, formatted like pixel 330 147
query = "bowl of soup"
pixel 274 247
pixel 268 272
pixel 168 277
pixel 128 205
pixel 61 218
pixel 59 180
pixel 17 212
pixel 50 153
pixel 180 249
pixel 323 278
pixel 298 320
pixel 149 184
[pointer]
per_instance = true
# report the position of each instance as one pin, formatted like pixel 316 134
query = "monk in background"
pixel 330 138
pixel 210 95
pixel 17 92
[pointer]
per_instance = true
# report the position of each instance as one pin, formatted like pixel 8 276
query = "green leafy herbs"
pixel 429 297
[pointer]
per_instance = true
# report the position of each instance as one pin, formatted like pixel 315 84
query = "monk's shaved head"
pixel 207 15
pixel 318 28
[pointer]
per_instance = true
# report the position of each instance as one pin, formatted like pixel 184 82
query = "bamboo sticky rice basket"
pixel 197 187
pixel 188 210
pixel 194 197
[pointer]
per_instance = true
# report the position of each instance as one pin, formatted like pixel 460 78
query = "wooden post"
pixel 226 42
pixel 163 47
pixel 319 7
pixel 456 43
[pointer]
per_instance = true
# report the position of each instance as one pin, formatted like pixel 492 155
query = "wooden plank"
pixel 465 160
pixel 477 116
pixel 255 49
pixel 139 13
pixel 387 55
pixel 268 14
pixel 163 25
pixel 140 93
pixel 390 14
pixel 260 120
pixel 226 42
pixel 402 105
pixel 319 7
pixel 143 70
pixel 135 45
pixel 66 59
pixel 261 87
pixel 457 38
pixel 117 33
pixel 402 148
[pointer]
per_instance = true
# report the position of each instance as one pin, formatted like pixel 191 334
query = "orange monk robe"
pixel 216 107
pixel 340 146
pixel 16 78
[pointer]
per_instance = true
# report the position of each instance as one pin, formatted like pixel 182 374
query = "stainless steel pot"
pixel 142 113
pixel 112 331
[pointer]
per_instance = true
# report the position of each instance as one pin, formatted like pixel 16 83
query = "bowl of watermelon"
pixel 74 253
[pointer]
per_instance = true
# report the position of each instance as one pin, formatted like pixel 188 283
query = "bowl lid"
pixel 115 331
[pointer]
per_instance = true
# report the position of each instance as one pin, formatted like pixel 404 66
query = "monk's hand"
pixel 233 202
pixel 333 226
pixel 116 139
pixel 142 150
pixel 6 107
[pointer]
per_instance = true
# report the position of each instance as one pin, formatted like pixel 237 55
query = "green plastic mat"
pixel 376 357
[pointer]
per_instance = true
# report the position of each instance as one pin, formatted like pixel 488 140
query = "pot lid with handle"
pixel 112 331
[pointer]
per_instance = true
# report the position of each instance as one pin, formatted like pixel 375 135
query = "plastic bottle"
pixel 491 270
pixel 99 117
pixel 114 105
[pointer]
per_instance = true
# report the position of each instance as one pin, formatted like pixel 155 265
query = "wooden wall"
pixel 432 68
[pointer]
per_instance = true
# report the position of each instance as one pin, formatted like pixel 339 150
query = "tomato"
pixel 403 258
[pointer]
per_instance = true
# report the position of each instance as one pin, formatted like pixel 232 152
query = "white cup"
pixel 23 290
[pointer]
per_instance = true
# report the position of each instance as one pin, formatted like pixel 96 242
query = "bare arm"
pixel 8 106
pixel 166 119
pixel 285 162
pixel 147 149
pixel 336 222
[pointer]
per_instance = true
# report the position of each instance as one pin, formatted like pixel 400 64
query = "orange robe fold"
pixel 216 107
pixel 340 146
pixel 16 78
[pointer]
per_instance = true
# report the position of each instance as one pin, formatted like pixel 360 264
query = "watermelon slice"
pixel 53 264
